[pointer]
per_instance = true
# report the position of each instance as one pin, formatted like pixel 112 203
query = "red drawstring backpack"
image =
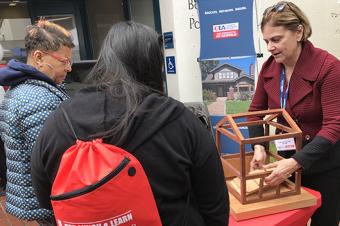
pixel 99 184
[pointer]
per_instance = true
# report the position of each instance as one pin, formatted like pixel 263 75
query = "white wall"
pixel 324 17
pixel 176 15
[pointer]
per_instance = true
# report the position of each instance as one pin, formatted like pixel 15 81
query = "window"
pixel 68 22
pixel 142 11
pixel 102 15
pixel 13 22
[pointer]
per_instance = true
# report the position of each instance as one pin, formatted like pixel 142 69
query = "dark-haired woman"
pixel 125 105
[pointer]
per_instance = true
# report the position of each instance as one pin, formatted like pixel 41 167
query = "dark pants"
pixel 3 168
pixel 328 184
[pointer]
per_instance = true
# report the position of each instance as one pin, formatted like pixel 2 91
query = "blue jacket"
pixel 25 108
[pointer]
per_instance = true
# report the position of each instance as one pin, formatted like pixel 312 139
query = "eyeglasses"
pixel 279 7
pixel 62 59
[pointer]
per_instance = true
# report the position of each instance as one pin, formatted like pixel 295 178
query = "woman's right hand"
pixel 259 157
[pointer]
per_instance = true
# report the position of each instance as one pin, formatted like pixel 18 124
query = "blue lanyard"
pixel 283 95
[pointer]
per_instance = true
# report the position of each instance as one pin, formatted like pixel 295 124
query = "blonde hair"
pixel 288 15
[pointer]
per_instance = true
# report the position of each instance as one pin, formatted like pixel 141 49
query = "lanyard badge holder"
pixel 284 144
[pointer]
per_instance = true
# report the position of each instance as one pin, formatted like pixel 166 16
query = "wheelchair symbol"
pixel 170 64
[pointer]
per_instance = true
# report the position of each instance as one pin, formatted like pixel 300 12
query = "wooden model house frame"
pixel 236 166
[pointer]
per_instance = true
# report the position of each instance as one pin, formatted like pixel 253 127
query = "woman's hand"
pixel 282 170
pixel 259 157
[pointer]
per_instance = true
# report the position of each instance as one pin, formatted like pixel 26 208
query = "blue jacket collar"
pixel 17 72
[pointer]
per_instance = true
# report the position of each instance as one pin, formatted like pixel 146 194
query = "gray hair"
pixel 47 36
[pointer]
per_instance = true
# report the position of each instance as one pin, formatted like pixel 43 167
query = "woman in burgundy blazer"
pixel 306 82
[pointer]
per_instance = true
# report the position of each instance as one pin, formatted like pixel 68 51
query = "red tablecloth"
pixel 296 217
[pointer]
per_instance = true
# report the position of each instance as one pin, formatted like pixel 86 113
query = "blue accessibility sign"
pixel 170 65
pixel 168 40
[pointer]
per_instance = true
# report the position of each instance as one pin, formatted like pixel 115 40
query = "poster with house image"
pixel 228 84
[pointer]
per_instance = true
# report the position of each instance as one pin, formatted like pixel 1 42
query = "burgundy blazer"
pixel 314 96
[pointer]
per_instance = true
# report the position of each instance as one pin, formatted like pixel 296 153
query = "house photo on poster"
pixel 228 84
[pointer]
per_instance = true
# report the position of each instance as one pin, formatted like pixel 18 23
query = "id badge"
pixel 285 144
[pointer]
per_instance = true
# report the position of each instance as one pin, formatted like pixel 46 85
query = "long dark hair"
pixel 129 67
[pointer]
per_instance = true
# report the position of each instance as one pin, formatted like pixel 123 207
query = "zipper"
pixel 92 187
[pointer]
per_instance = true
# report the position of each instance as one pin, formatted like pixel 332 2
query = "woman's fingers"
pixel 283 170
pixel 275 178
pixel 270 165
pixel 259 158
pixel 255 165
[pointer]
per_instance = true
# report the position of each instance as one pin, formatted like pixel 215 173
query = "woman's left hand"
pixel 283 169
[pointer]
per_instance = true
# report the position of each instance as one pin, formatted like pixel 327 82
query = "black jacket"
pixel 178 154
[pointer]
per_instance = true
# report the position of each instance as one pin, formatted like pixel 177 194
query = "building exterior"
pixel 226 80
pixel 90 20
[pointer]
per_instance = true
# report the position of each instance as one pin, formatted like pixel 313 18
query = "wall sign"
pixel 168 40
pixel 170 65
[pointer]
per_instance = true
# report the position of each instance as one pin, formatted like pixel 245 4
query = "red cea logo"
pixel 222 31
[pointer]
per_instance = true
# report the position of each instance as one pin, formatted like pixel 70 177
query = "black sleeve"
pixel 3 168
pixel 313 151
pixel 257 131
pixel 208 182
pixel 41 183
pixel 54 139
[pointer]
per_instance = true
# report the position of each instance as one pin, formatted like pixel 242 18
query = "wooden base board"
pixel 252 188
pixel 243 212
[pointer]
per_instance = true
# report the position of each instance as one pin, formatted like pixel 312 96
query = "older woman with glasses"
pixel 305 81
pixel 34 92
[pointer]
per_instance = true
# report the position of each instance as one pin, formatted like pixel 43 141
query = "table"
pixel 295 217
